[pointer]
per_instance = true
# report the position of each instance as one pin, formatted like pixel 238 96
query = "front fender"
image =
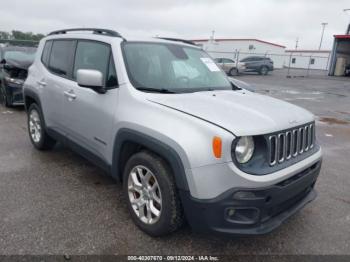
pixel 162 149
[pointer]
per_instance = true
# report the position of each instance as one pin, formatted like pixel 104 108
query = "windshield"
pixel 172 68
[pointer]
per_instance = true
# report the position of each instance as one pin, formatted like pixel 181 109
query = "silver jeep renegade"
pixel 187 142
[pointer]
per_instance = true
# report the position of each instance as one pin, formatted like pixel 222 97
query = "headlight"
pixel 14 80
pixel 244 149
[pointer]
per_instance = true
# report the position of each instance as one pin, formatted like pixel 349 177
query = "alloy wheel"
pixel 35 126
pixel 144 194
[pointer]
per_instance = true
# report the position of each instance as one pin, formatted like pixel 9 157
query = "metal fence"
pixel 292 64
pixel 28 43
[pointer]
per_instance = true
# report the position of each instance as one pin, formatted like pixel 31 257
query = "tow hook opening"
pixel 239 215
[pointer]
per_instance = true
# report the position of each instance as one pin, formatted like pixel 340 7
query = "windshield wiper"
pixel 156 90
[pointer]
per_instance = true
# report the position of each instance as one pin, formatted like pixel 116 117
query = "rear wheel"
pixel 151 194
pixel 36 127
pixel 233 72
pixel 264 70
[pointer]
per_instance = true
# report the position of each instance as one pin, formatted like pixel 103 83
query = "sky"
pixel 277 21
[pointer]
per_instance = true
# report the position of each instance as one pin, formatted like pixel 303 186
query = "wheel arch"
pixel 128 142
pixel 29 98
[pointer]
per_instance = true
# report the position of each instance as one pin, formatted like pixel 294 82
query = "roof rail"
pixel 99 31
pixel 178 40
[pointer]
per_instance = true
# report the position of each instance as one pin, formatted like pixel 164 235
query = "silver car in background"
pixel 229 66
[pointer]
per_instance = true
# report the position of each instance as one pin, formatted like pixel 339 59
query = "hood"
pixel 240 112
pixel 18 64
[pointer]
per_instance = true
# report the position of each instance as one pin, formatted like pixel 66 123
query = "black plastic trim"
pixel 274 204
pixel 32 95
pixel 98 161
pixel 158 147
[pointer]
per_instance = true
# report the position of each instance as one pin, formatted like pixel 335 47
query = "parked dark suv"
pixel 260 64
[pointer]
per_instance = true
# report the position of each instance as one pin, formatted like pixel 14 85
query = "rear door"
pixel 252 63
pixel 57 59
pixel 90 115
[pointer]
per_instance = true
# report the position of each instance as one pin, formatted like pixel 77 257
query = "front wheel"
pixel 37 133
pixel 5 98
pixel 151 194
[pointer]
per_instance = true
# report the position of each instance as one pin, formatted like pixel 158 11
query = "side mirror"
pixel 91 79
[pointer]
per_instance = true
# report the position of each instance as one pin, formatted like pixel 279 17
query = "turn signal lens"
pixel 217 147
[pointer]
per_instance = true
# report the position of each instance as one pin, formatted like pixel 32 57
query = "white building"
pixel 241 48
pixel 308 59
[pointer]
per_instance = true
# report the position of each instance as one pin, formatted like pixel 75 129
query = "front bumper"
pixel 254 212
pixel 15 93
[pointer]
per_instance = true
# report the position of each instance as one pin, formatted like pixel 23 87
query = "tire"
pixel 7 101
pixel 36 129
pixel 156 174
pixel 5 98
pixel 233 72
pixel 264 70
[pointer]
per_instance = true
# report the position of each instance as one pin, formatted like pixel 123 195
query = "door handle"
pixel 70 94
pixel 41 83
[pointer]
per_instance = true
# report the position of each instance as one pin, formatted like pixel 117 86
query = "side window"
pixel 112 80
pixel 92 55
pixel 61 57
pixel 227 61
pixel 46 53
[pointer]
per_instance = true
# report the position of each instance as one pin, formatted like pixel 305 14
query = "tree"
pixel 4 35
pixel 19 35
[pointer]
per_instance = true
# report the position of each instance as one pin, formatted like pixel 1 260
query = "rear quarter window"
pixel 46 53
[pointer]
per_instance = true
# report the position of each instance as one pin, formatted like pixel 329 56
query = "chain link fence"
pixel 290 63
pixel 29 43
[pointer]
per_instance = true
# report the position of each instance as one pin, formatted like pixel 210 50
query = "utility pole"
pixel 296 43
pixel 212 36
pixel 323 28
pixel 348 25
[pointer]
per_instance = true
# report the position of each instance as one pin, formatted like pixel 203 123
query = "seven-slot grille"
pixel 291 143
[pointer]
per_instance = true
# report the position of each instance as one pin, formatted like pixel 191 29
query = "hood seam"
pixel 194 116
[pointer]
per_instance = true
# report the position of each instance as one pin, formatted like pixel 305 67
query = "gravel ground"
pixel 58 203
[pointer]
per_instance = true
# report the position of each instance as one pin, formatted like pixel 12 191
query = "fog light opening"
pixel 246 216
pixel 231 212
pixel 246 195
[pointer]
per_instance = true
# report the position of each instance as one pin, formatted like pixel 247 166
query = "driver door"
pixel 90 115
